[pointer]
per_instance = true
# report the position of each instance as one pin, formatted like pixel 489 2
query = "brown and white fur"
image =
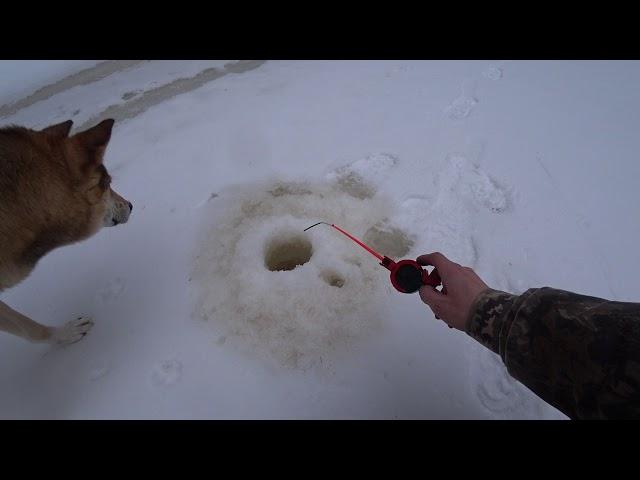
pixel 54 191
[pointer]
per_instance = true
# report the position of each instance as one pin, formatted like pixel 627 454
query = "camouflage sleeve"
pixel 580 354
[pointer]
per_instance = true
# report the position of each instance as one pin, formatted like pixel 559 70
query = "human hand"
pixel 461 286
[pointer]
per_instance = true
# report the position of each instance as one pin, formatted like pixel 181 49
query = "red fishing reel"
pixel 407 276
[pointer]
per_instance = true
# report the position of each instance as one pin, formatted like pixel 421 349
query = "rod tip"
pixel 315 224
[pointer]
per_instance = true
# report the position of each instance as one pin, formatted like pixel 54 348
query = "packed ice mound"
pixel 299 297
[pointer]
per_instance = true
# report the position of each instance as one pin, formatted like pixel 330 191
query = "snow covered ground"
pixel 524 170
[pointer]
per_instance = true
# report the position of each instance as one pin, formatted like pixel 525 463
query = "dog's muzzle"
pixel 118 212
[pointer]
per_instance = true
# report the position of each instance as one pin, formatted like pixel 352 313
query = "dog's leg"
pixel 17 324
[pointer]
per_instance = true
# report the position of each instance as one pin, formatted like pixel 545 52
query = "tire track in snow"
pixel 154 96
pixel 83 77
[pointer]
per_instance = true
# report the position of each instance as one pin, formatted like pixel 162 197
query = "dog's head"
pixel 89 182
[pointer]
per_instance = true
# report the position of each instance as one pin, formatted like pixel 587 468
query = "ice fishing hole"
pixel 333 279
pixel 285 253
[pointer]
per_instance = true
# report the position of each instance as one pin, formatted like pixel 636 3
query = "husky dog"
pixel 54 191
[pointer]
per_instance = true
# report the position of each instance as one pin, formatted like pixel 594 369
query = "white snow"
pixel 524 170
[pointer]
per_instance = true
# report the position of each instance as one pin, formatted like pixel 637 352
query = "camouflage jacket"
pixel 580 354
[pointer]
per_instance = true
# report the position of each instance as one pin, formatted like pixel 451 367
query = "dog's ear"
pixel 97 137
pixel 94 143
pixel 59 130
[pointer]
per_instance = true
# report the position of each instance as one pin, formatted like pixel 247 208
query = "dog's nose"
pixel 130 206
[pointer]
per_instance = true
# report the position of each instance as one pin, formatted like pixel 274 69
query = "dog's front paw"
pixel 72 331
